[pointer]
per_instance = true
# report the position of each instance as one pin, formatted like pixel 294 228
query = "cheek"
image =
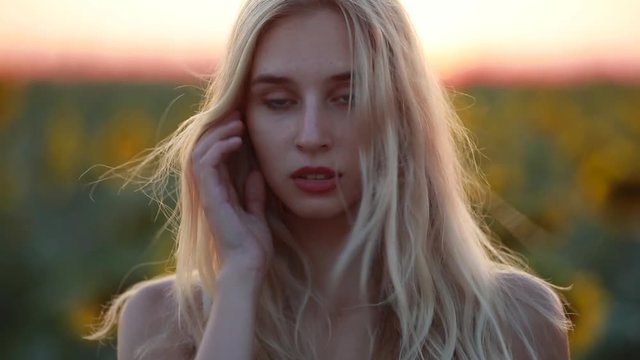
pixel 261 148
pixel 267 146
pixel 353 141
pixel 354 144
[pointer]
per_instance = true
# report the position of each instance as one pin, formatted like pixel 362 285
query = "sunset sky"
pixel 175 39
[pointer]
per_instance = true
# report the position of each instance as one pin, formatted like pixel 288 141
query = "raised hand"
pixel 242 238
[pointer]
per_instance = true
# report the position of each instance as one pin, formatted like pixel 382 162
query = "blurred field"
pixel 563 162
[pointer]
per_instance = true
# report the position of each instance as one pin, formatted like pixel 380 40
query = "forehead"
pixel 312 41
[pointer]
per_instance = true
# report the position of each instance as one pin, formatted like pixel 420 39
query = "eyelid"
pixel 342 98
pixel 284 103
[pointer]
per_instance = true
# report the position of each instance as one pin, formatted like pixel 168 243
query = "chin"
pixel 316 207
pixel 316 210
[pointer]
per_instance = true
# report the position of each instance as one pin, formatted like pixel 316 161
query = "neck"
pixel 322 240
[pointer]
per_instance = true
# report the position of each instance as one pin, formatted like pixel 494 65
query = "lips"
pixel 315 179
pixel 317 172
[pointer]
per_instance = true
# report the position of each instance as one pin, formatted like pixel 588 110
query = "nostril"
pixel 312 143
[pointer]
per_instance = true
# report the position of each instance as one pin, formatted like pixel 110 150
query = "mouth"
pixel 314 173
pixel 315 180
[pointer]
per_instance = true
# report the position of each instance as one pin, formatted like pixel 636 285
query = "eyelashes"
pixel 285 103
pixel 346 99
pixel 279 104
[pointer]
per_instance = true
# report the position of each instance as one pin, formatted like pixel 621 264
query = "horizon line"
pixel 88 67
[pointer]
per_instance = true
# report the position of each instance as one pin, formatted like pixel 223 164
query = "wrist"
pixel 238 278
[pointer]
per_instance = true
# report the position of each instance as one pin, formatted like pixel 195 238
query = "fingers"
pixel 255 194
pixel 209 162
pixel 233 127
pixel 212 174
pixel 240 233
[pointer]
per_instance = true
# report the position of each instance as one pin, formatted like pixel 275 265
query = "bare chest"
pixel 349 339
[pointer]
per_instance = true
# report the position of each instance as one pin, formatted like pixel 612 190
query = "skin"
pixel 298 115
pixel 299 120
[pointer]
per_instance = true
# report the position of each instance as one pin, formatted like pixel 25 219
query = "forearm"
pixel 230 329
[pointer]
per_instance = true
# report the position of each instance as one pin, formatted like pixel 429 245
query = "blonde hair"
pixel 442 284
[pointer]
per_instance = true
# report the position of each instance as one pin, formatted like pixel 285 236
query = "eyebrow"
pixel 281 80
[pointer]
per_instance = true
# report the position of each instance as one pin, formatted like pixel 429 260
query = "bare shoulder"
pixel 541 313
pixel 148 326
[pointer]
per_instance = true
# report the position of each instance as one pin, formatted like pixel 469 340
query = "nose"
pixel 313 134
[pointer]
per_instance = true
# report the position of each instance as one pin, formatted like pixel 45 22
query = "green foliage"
pixel 65 250
pixel 569 160
pixel 564 165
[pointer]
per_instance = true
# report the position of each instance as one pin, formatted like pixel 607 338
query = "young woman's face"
pixel 298 114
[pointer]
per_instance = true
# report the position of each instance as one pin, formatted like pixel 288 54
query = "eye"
pixel 278 104
pixel 343 99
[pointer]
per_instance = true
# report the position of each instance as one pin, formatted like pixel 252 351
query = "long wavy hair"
pixel 439 279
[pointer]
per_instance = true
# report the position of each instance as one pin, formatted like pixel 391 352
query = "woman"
pixel 323 209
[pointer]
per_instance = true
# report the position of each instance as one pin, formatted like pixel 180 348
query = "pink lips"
pixel 306 179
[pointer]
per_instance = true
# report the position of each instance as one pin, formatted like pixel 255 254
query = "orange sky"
pixel 545 40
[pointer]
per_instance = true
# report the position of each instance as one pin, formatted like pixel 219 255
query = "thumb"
pixel 255 193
